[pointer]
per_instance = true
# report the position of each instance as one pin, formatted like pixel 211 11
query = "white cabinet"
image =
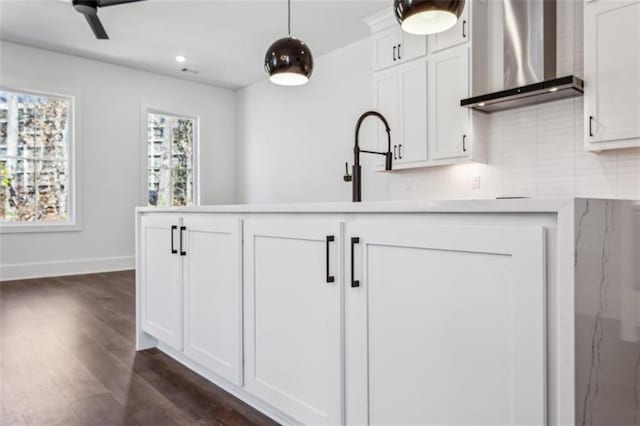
pixel 191 275
pixel 421 98
pixel 292 308
pixel 161 270
pixel 213 294
pixel 459 33
pixel 393 46
pixel 449 134
pixel 445 324
pixel 612 74
pixel 401 96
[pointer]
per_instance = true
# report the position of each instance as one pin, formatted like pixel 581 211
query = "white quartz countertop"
pixel 522 205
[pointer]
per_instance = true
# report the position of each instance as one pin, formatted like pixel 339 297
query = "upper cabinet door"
pixel 449 122
pixel 459 33
pixel 612 74
pixel 385 48
pixel 386 100
pixel 292 306
pixel 213 294
pixel 161 278
pixel 445 317
pixel 412 80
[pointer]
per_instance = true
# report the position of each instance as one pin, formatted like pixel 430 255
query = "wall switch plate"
pixel 475 182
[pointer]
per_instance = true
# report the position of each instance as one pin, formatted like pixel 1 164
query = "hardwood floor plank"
pixel 67 353
pixel 48 407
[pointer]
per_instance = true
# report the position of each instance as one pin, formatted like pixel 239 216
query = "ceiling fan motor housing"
pixel 85 6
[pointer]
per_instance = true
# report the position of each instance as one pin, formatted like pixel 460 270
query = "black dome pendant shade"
pixel 427 16
pixel 289 61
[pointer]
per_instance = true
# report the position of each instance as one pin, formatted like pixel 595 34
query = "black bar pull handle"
pixel 400 151
pixel 399 57
pixel 182 252
pixel 464 143
pixel 354 282
pixel 394 53
pixel 464 30
pixel 395 152
pixel 330 278
pixel 173 250
pixel 591 125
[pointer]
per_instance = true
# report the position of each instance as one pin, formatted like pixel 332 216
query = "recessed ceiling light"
pixel 180 59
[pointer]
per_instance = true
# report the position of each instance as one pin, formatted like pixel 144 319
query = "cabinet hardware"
pixel 591 125
pixel 464 32
pixel 354 282
pixel 464 143
pixel 394 53
pixel 173 250
pixel 330 278
pixel 400 151
pixel 395 152
pixel 399 57
pixel 182 252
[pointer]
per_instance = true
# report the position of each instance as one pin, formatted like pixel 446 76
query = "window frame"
pixel 73 222
pixel 147 109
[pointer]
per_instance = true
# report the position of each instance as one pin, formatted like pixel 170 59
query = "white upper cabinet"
pixel 449 123
pixel 392 46
pixel 292 306
pixel 445 325
pixel 161 270
pixel 459 33
pixel 612 74
pixel 213 294
pixel 420 93
pixel 401 96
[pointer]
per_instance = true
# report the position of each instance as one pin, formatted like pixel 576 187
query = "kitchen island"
pixel 519 311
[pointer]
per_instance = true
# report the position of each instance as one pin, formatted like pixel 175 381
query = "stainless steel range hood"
pixel 529 60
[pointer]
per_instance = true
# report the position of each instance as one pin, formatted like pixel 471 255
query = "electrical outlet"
pixel 475 182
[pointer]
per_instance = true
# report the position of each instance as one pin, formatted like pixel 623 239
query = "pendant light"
pixel 427 16
pixel 289 61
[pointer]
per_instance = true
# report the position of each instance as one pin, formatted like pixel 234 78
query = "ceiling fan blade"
pixel 105 3
pixel 96 26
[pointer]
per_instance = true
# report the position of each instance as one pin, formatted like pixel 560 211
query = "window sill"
pixel 26 228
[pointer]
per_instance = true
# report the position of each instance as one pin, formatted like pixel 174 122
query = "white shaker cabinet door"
pixel 612 74
pixel 445 325
pixel 385 48
pixel 292 306
pixel 161 278
pixel 459 33
pixel 213 293
pixel 449 123
pixel 387 103
pixel 412 147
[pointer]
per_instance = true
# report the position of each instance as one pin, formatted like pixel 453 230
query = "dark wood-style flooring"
pixel 68 357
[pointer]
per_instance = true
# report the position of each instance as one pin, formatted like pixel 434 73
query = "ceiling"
pixel 224 40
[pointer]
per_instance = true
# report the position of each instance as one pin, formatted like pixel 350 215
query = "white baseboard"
pixel 21 271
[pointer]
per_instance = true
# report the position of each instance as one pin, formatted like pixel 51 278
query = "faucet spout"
pixel 356 178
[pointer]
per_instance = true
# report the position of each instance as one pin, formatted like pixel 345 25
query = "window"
pixel 170 149
pixel 35 156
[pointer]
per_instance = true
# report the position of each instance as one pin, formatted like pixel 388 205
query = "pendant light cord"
pixel 289 15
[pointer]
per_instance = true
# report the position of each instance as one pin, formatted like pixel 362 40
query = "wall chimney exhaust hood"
pixel 529 60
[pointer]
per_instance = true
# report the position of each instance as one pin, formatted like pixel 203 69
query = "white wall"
pixel 294 141
pixel 111 147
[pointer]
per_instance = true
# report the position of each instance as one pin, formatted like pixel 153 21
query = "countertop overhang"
pixel 519 205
